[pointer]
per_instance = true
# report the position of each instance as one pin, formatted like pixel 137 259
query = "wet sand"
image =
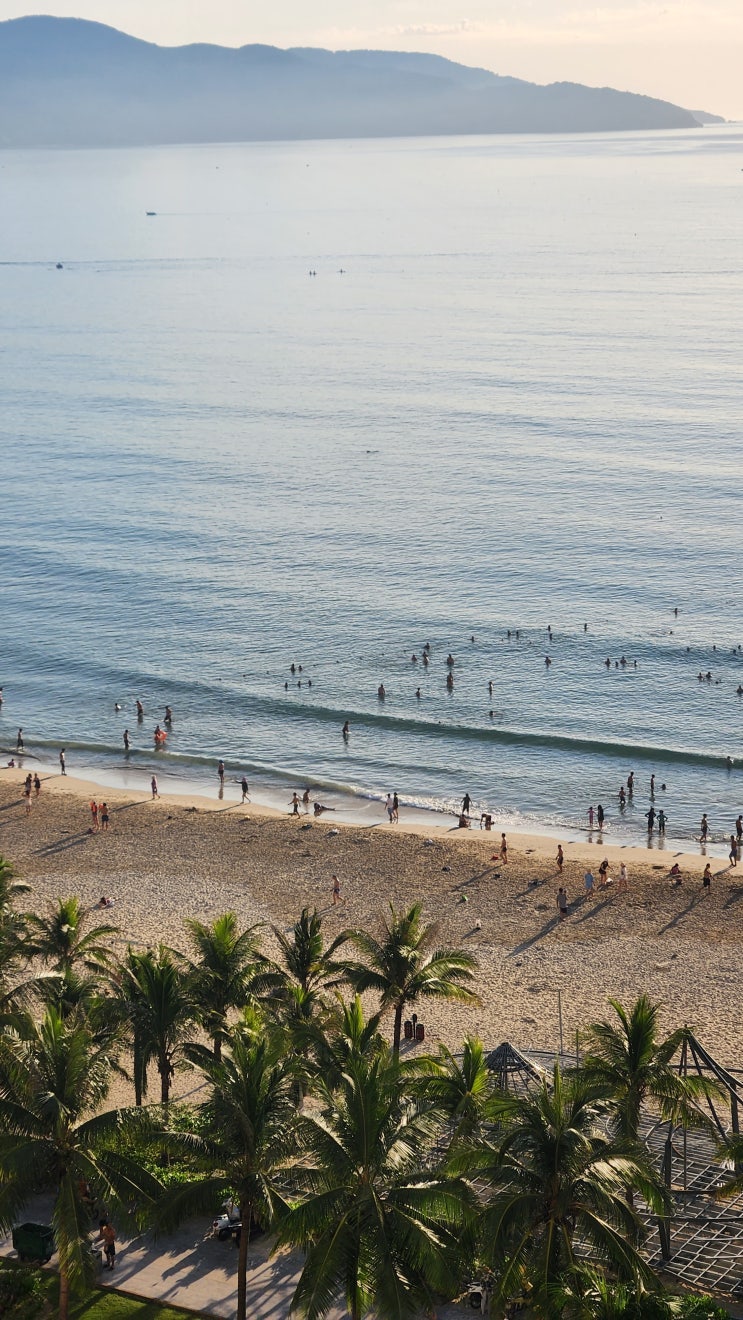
pixel 177 857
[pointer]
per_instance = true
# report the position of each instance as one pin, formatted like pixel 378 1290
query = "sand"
pixel 177 857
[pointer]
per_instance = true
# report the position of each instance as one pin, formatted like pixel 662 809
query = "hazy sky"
pixel 687 51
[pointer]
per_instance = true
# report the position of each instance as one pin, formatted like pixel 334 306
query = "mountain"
pixel 69 82
pixel 704 117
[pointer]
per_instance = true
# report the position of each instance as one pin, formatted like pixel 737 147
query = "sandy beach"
pixel 176 857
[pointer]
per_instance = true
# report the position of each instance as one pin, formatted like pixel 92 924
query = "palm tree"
pixel 11 887
pixel 250 1118
pixel 557 1174
pixel 227 973
pixel 53 1077
pixel 153 990
pixel 306 969
pixel 377 1228
pixel 627 1058
pixel 405 966
pixel 60 939
pixel 461 1087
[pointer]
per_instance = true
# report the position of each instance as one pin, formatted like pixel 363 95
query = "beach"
pixel 177 857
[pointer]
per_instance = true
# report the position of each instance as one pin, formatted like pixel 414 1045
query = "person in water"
pixel 126 740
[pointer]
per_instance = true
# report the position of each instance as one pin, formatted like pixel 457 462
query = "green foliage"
pixel 701 1308
pixel 403 966
pixel 22 1291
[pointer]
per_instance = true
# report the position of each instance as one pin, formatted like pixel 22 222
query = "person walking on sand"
pixel 62 766
pixel 153 786
pixel 503 848
pixel 562 904
pixel 588 883
pixel 336 890
pixel 733 854
pixel 623 885
pixel 244 789
pixel 27 794
pixel 560 858
pixel 19 741
pixel 707 877
pixel 37 785
pixel 294 804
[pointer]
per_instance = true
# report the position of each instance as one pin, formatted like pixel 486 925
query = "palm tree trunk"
pixel 217 1048
pixel 397 1030
pixel 64 1295
pixel 246 1211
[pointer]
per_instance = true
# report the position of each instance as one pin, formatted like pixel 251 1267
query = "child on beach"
pixel 623 885
pixel 562 904
pixel 153 786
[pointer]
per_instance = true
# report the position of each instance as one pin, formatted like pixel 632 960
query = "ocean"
pixel 337 400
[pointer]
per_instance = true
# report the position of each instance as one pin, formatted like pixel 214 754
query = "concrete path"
pixel 192 1269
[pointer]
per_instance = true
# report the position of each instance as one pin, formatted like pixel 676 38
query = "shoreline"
pixel 180 857
pixel 426 822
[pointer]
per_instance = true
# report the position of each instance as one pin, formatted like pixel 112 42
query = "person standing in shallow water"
pixel 62 766
pixel 600 816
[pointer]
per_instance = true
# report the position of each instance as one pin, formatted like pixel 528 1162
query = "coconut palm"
pixel 627 1057
pixel 250 1120
pixel 306 970
pixel 329 1043
pixel 378 1230
pixel 461 1086
pixel 11 887
pixel 557 1174
pixel 227 974
pixel 62 941
pixel 404 966
pixel 54 1078
pixel 153 990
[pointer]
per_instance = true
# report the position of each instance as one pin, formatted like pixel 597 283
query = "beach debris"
pixel 331 833
pixel 462 897
pixel 478 924
pixel 428 843
pixel 446 868
pixel 308 826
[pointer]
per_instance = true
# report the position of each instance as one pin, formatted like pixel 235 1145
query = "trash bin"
pixel 408 1028
pixel 34 1241
pixel 420 1031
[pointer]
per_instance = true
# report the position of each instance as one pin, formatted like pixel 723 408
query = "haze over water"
pixel 518 405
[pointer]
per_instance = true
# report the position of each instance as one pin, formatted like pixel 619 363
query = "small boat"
pixel 150 212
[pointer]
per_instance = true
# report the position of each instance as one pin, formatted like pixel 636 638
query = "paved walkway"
pixel 191 1268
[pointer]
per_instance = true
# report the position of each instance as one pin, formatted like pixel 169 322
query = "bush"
pixel 22 1291
pixel 702 1308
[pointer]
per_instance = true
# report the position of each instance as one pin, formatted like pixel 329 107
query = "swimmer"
pixel 19 746
pixel 140 709
pixel 418 693
pixel 414 659
pixel 490 688
pixel 117 706
pixel 547 661
pixel 346 730
pixel 450 681
pixel 168 717
pixel 126 740
pixel 319 808
pixel 381 693
pixel 450 659
pixel 425 660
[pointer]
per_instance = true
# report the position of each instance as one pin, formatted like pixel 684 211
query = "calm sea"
pixel 337 400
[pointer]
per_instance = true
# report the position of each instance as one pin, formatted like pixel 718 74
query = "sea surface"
pixel 337 400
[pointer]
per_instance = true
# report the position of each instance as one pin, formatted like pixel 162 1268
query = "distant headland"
pixel 68 82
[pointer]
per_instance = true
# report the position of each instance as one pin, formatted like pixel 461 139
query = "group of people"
pixel 99 816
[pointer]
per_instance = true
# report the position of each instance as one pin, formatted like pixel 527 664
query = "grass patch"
pixel 106 1305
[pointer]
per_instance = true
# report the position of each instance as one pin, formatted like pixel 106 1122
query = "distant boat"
pixel 150 212
pixel 60 266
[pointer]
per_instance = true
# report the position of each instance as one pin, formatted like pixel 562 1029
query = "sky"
pixel 686 51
